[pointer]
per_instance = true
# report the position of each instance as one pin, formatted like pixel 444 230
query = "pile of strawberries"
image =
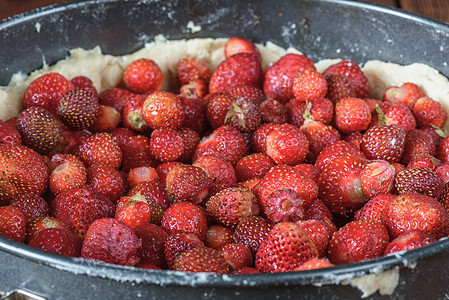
pixel 240 171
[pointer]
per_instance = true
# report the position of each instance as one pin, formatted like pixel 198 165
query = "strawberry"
pixel 272 111
pixel 153 245
pixel 286 247
pixel 429 112
pixel 335 150
pixel 317 210
pixel 388 113
pixel 417 144
pixel 243 115
pixel 377 177
pixel 84 82
pixel 419 180
pixel 111 241
pixel 252 231
pixel 237 255
pixel 253 165
pixel 21 170
pixel 217 109
pixel 287 144
pixel 258 141
pixel 108 119
pixel 309 85
pixel 152 191
pixel 238 69
pixel 217 236
pixel 163 110
pixel 201 259
pixel 225 142
pixel 105 180
pixel 436 133
pixel 191 139
pixel 228 206
pixel 338 87
pixel 115 97
pixel 310 170
pixel 240 45
pixel 136 152
pixel 314 263
pixel 322 110
pixel 297 111
pixel 191 68
pixel 352 115
pixel 194 113
pixel 80 207
pixel 411 211
pixel 406 94
pixel 136 210
pixel 408 241
pixel 319 136
pixel 220 172
pixel 428 162
pixel 131 112
pixel 9 134
pixel 357 241
pixel 354 138
pixel 279 77
pixel 46 90
pixel 179 242
pixel 187 183
pixel 143 76
pixel 385 142
pixel 58 241
pixel 166 144
pixel 39 129
pixel 372 210
pixel 78 109
pixel 193 89
pixel 71 141
pixel 340 185
pixel 319 234
pixel 354 74
pixel 248 92
pixel 32 205
pixel 186 217
pixel 246 270
pixel 42 223
pixel 443 172
pixel 442 150
pixel 12 223
pixel 100 148
pixel 141 174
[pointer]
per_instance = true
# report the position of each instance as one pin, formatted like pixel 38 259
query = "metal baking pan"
pixel 321 29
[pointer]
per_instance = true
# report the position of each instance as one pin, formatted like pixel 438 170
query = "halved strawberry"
pixel 67 171
pixel 406 94
pixel 192 68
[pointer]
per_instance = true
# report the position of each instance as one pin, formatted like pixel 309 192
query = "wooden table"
pixel 437 9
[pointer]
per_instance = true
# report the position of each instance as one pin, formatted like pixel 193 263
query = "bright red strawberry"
pixel 272 111
pixel 352 115
pixel 9 134
pixel 372 210
pixel 280 76
pixel 179 242
pixel 153 245
pixel 71 141
pixel 309 85
pixel 388 113
pixel 42 223
pixel 194 89
pixel 429 112
pixel 136 210
pixel 115 97
pixel 163 110
pixel 32 205
pixel 322 110
pixel 319 136
pixel 187 217
pixel 12 223
pixel 201 259
pixel 418 144
pixel 428 162
pixel 136 152
pixel 237 255
pixel 377 177
pixel 217 109
pixel 152 191
pixel 111 241
pixel 357 241
pixel 220 172
pixel 354 138
pixel 340 185
pixel 408 241
pixel 310 170
pixel 385 142
pixel 166 144
pixel 408 212
pixel 132 116
pixel 286 247
pixel 228 206
pixel 105 180
pixel 238 45
pixel 187 183
pixel 191 68
pixel 287 144
pixel 314 263
pixel 253 165
pixel 238 69
pixel 406 94
pixel 21 170
pixel 79 207
pixel 354 74
pixel 258 141
pixel 100 148
pixel 338 87
pixel 319 234
pixel 194 113
pixel 217 236
pixel 317 210
pixel 243 115
pixel 143 76
pixel 46 90
pixel 334 150
pixel 108 119
pixel 225 142
pixel 141 174
pixel 248 92
pixel 252 231
pixel 58 241
pixel 419 180
pixel 78 109
pixel 39 129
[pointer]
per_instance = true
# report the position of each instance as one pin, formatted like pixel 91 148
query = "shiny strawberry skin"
pixel 385 142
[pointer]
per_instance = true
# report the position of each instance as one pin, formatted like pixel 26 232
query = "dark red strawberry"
pixel 442 151
pixel 194 113
pixel 136 152
pixel 406 94
pixel 192 68
pixel 201 259
pixel 429 112
pixel 258 141
pixel 246 270
pixel 187 183
pixel 163 110
pixel 287 144
pixel 286 247
pixel 238 45
pixel 354 74
pixel 39 224
pixel 100 148
pixel 115 97
pixel 84 82
pixel 153 245
pixel 220 172
pixel 253 165
pixel 32 205
pixel 338 87
pixel 237 256
pixel 418 144
pixel 78 109
pixel 9 134
pixel 408 241
pixel 252 231
pixel 217 236
pixel 248 92
pixel 58 241
pixel 217 109
pixel 105 180
pixel 319 136
pixel 179 242
pixel 309 85
pixel 385 142
pixel 166 144
pixel 12 223
pixel 419 180
pixel 143 76
pixel 243 115
pixel 132 116
pixel 194 89
pixel 272 111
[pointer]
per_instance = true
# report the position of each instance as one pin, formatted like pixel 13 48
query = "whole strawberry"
pixel 286 247
pixel 143 76
pixel 201 259
pixel 187 183
pixel 372 210
pixel 408 241
pixel 153 245
pixel 287 144
pixel 385 142
pixel 237 255
pixel 136 210
pixel 419 180
pixel 354 74
pixel 9 134
pixel 243 115
pixel 163 110
pixel 32 205
pixel 338 87
pixel 314 263
pixel 218 236
pixel 309 85
pixel 429 112
pixel 377 177
pixel 238 45
pixel 12 223
pixel 352 115
pixel 189 69
pixel 177 243
pixel 78 109
pixel 59 241
pixel 100 148
pixel 221 172
pixel 252 231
